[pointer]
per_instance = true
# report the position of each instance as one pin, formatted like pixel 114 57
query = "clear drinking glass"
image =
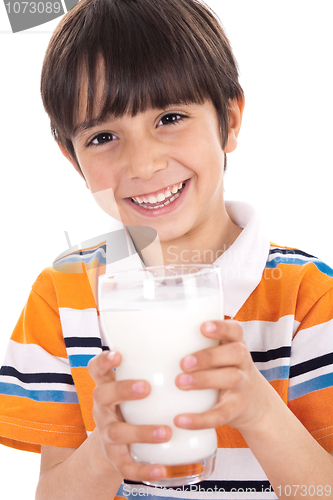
pixel 152 316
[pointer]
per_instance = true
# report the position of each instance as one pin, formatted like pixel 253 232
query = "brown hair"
pixel 154 53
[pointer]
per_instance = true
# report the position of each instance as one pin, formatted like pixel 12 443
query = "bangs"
pixel 126 56
pixel 144 82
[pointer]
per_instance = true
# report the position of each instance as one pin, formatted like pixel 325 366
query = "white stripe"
pixel 47 386
pixel 312 342
pixel 274 363
pixel 29 358
pixel 237 464
pixel 79 322
pixel 72 351
pixel 266 335
pixel 310 375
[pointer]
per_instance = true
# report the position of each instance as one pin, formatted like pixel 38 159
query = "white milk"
pixel 152 338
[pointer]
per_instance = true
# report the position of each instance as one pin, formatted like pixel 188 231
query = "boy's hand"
pixel 244 393
pixel 115 434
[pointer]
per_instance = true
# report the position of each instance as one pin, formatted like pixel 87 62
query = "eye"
pixel 102 138
pixel 171 119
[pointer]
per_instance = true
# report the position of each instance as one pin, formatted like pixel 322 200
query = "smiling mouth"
pixel 161 198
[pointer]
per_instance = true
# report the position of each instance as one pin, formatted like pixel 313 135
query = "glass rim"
pixel 210 267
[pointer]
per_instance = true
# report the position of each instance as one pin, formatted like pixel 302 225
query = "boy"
pixel 162 112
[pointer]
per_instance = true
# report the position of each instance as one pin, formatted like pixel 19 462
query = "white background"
pixel 283 164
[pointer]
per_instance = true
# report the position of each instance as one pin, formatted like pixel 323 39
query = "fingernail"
pixel 183 421
pixel 189 361
pixel 185 379
pixel 210 327
pixel 159 433
pixel 111 355
pixel 157 472
pixel 138 387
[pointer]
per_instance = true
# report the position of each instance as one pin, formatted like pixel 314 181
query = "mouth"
pixel 159 199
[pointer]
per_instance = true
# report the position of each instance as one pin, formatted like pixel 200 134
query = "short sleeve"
pixel 310 392
pixel 38 399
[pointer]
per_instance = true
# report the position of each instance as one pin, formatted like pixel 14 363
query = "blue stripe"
pixel 80 360
pixel 82 258
pixel 313 385
pixel 321 266
pixel 41 396
pixel 277 373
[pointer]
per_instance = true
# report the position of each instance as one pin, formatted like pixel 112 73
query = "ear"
pixel 236 107
pixel 70 159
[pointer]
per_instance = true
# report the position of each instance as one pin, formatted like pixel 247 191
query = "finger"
pixel 124 433
pixel 111 393
pixel 226 331
pixel 137 471
pixel 143 473
pixel 231 354
pixel 222 379
pixel 222 413
pixel 101 367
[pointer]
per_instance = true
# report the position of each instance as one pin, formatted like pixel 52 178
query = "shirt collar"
pixel 243 263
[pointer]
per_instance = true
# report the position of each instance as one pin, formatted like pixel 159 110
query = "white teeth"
pixel 160 197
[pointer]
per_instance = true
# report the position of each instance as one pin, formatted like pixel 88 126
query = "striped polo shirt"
pixel 282 297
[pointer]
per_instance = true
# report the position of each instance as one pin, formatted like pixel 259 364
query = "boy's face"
pixel 164 167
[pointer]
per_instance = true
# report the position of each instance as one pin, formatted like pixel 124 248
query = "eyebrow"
pixel 94 122
pixel 87 124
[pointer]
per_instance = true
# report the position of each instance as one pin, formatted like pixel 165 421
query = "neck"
pixel 205 249
pixel 202 246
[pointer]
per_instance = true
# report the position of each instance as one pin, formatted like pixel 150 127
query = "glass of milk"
pixel 152 316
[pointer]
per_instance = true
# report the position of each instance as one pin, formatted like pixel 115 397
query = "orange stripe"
pixel 318 422
pixel 281 387
pixel 37 318
pixel 320 312
pixel 73 290
pixel 42 423
pixel 285 289
pixel 85 385
pixel 57 415
pixel 228 437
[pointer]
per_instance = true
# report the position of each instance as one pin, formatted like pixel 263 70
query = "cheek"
pixel 202 150
pixel 106 201
pixel 102 185
pixel 96 170
pixel 205 161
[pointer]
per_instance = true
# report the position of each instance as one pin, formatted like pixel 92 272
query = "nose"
pixel 144 156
